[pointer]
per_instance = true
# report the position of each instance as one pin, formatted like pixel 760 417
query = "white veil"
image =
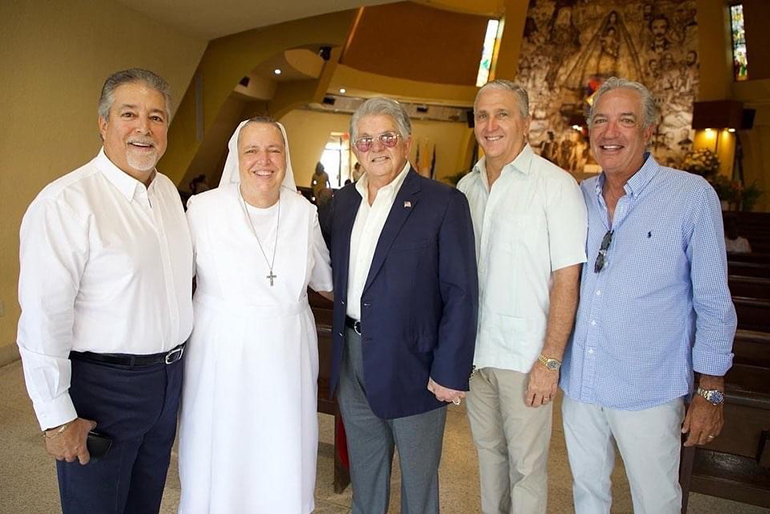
pixel 230 174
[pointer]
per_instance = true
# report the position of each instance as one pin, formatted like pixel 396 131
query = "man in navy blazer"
pixel 405 307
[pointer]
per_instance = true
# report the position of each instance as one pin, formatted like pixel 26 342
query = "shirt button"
pixel 367 304
pixel 590 350
pixel 598 293
pixel 593 322
pixel 343 302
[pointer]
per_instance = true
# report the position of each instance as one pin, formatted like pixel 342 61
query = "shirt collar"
pixel 639 180
pixel 522 163
pixel 125 183
pixel 362 185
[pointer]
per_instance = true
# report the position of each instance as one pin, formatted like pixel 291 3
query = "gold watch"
pixel 550 364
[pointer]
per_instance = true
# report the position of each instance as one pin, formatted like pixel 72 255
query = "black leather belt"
pixel 124 359
pixel 353 323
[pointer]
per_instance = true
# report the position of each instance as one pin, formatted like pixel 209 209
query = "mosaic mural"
pixel 571 46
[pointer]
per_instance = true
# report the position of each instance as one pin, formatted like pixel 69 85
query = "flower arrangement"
pixel 702 162
pixel 735 194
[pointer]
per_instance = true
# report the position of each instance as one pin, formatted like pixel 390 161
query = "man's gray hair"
pixel 648 102
pixel 506 85
pixel 131 76
pixel 382 107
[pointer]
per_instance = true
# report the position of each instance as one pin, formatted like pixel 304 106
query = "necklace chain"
pixel 270 263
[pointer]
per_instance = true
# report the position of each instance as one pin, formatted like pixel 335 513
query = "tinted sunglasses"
pixel 386 139
pixel 601 259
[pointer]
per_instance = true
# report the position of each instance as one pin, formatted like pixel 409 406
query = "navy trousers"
pixel 137 408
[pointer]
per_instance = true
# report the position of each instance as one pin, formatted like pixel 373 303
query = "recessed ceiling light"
pixel 731 130
pixel 277 71
pixel 342 90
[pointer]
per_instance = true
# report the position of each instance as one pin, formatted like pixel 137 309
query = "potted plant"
pixel 749 196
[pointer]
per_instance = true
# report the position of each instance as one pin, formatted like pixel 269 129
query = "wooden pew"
pixel 753 313
pixel 327 404
pixel 752 348
pixel 755 226
pixel 757 258
pixel 736 465
pixel 748 269
pixel 752 287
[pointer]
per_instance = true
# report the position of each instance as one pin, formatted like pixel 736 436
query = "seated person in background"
pixel 324 197
pixel 357 172
pixel 319 181
pixel 733 242
pixel 199 184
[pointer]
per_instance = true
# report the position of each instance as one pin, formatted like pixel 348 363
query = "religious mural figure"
pixel 653 69
pixel 549 149
pixel 683 23
pixel 659 29
pixel 608 58
pixel 610 52
pixel 572 46
pixel 564 39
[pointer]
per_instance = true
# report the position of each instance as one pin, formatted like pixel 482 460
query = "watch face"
pixel 716 397
pixel 552 364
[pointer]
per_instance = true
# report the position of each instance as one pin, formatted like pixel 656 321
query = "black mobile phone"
pixel 98 445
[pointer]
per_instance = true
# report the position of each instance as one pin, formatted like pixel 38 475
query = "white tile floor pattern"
pixel 28 476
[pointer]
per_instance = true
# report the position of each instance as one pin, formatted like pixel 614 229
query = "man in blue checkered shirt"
pixel 655 320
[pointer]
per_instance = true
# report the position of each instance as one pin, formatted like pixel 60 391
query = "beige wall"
pixel 54 59
pixel 756 142
pixel 308 132
pixel 227 60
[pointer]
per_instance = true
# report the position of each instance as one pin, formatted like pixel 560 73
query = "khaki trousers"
pixel 512 442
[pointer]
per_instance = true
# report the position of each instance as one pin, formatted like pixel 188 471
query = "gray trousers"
pixel 371 441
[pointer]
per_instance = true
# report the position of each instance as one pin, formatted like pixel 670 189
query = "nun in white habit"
pixel 248 430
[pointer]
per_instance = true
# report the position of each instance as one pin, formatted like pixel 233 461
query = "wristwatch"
pixel 551 364
pixel 713 396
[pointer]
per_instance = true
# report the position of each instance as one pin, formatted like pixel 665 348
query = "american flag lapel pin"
pixel 407 204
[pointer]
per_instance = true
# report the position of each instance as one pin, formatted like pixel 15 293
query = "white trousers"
pixel 649 442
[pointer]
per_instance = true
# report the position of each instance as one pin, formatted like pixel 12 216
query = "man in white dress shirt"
pixel 105 292
pixel 529 220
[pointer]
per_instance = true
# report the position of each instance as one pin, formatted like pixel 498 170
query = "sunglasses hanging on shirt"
pixel 601 259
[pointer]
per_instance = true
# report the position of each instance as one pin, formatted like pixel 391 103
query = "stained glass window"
pixel 486 53
pixel 740 63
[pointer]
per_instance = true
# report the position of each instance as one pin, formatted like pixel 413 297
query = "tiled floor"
pixel 28 478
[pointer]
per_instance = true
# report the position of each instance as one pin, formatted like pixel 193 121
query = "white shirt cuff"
pixel 56 412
